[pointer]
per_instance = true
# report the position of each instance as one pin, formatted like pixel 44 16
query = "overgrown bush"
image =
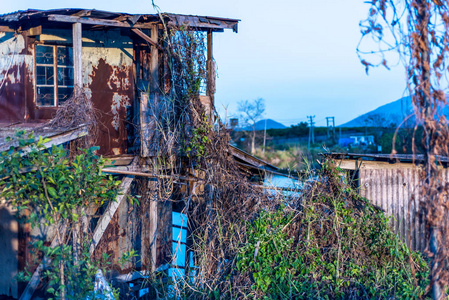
pixel 328 243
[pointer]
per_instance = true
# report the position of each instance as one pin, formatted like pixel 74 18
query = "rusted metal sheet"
pixel 107 65
pixel 396 191
pixel 113 19
pixel 12 77
pixel 112 92
pixel 127 230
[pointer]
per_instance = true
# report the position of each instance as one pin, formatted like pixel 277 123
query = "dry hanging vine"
pixel 418 30
pixel 248 243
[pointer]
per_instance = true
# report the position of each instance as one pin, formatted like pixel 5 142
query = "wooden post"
pixel 154 92
pixel 210 90
pixel 149 107
pixel 77 57
pixel 152 198
pixel 144 126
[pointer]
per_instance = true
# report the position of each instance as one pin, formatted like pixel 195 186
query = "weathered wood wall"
pixel 9 245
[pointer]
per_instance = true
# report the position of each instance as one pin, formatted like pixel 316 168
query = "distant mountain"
pixel 386 115
pixel 271 124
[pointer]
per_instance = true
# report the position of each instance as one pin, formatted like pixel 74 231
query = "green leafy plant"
pixel 197 146
pixel 54 190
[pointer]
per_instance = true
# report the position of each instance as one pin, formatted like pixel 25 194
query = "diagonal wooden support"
pixel 109 213
pixel 146 38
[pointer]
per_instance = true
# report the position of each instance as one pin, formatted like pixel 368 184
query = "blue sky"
pixel 299 55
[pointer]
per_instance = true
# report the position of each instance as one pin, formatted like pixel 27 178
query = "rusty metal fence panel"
pixel 395 189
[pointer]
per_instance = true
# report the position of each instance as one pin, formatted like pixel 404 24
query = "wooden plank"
pixel 203 23
pixel 154 116
pixel 95 21
pixel 6 29
pixel 144 125
pixel 146 38
pixel 103 223
pixel 77 56
pixel 153 216
pixel 56 139
pixel 34 31
pixel 210 72
pixel 121 160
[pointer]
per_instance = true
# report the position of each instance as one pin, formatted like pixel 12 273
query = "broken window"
pixel 54 74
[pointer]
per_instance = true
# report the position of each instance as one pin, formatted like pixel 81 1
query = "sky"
pixel 298 55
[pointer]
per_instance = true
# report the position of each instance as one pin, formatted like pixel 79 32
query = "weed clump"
pixel 330 244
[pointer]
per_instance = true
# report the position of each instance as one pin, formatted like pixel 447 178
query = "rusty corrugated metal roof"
pixel 193 21
pixel 385 157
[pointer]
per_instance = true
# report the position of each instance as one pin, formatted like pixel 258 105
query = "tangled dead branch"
pixel 75 111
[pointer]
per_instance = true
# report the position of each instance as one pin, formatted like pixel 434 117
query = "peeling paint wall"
pixel 16 69
pixel 108 76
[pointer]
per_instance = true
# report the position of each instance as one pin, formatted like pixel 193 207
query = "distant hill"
pixel 271 124
pixel 386 115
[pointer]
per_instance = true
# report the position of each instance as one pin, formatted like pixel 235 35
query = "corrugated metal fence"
pixel 395 188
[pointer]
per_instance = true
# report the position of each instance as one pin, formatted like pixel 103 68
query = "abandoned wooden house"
pixel 392 183
pixel 118 61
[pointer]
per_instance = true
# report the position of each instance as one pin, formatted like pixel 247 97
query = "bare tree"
pixel 249 113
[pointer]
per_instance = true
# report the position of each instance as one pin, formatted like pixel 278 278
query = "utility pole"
pixel 311 133
pixel 330 123
pixel 264 136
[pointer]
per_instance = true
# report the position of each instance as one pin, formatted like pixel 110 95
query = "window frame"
pixel 55 73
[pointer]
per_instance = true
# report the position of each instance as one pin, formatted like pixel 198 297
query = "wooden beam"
pixel 144 125
pixel 103 223
pixel 146 37
pixel 154 61
pixel 77 56
pixel 94 21
pixel 202 23
pixel 139 172
pixel 210 80
pixel 153 219
pixel 34 31
pixel 56 139
pixel 6 29
pixel 121 160
pixel 154 117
